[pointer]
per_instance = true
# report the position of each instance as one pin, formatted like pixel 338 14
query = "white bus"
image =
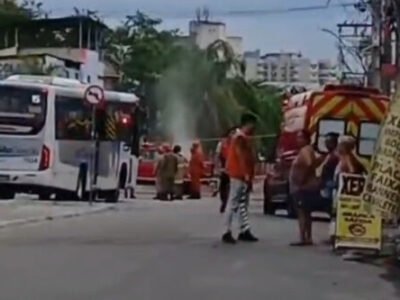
pixel 45 139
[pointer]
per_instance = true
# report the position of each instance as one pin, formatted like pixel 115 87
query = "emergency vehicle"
pixel 343 109
pixel 149 154
pixel 46 145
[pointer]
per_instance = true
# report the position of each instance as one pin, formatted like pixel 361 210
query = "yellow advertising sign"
pixel 382 193
pixel 355 228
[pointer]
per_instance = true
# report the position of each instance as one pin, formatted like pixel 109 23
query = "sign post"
pixel 94 96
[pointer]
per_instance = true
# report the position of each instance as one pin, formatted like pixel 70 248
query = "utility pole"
pixel 374 76
pixel 353 39
pixel 387 44
pixel 396 25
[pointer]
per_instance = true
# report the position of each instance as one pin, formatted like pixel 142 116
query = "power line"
pixel 233 13
pixel 292 9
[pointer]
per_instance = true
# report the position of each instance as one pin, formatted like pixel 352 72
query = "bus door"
pixel 118 128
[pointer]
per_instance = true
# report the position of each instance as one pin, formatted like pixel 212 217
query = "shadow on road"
pixel 392 275
pixel 283 216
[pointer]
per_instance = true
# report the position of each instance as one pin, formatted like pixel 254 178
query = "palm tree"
pixel 225 60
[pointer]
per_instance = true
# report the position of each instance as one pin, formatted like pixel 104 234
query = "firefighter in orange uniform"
pixel 196 170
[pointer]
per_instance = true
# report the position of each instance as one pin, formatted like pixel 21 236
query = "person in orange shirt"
pixel 220 161
pixel 240 165
pixel 196 171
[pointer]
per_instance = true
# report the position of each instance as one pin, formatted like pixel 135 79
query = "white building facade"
pixel 289 68
pixel 203 33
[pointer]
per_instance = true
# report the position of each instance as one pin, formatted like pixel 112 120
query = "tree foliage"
pixel 138 50
pixel 189 92
pixel 12 11
pixel 193 93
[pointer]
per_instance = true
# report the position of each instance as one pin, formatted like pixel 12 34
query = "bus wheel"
pixel 6 194
pixel 111 196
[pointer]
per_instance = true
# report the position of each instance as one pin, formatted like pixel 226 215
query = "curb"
pixel 20 222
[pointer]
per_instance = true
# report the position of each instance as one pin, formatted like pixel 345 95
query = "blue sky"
pixel 296 31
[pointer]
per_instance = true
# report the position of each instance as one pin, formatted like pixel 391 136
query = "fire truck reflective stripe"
pixel 343 108
pixel 319 102
pixel 381 105
pixel 359 112
pixel 368 113
pixel 379 108
pixel 337 108
pixel 325 105
pixel 352 127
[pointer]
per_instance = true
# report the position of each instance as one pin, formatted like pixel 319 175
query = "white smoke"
pixel 178 126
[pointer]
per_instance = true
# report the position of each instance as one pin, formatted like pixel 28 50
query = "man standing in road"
pixel 167 169
pixel 220 161
pixel 240 168
pixel 180 173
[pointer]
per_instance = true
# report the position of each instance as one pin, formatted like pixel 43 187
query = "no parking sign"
pixel 94 95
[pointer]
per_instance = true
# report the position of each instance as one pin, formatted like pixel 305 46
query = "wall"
pixel 253 70
pixel 205 32
pixel 236 42
pixel 292 68
pixel 11 66
pixel 92 68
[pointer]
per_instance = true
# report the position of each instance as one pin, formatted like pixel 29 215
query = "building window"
pixel 77 76
pixel 88 79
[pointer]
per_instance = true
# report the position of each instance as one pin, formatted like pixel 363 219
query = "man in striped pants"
pixel 240 168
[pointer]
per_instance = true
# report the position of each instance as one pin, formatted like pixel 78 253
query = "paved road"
pixel 149 250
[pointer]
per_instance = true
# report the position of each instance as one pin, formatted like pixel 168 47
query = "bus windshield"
pixel 22 110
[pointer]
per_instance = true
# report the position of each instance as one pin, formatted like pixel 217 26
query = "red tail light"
pixel 45 158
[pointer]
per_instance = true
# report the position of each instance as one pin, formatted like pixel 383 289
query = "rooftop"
pixel 206 22
pixel 56 22
pixel 278 54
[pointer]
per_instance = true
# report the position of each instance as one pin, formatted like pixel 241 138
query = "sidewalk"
pixel 25 211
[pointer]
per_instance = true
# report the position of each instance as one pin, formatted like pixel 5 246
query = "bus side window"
pixel 73 119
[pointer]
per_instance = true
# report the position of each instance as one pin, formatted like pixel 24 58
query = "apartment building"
pixel 203 33
pixel 287 68
pixel 71 47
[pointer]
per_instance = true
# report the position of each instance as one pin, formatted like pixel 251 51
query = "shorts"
pixel 307 200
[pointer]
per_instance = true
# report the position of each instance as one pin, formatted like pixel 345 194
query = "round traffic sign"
pixel 94 95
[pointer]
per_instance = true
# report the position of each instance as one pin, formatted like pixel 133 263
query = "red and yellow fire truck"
pixel 346 110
